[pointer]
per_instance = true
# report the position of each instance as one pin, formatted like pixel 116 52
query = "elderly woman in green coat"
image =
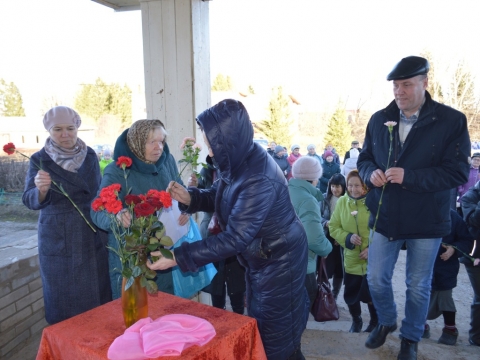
pixel 349 227
pixel 305 197
pixel 153 167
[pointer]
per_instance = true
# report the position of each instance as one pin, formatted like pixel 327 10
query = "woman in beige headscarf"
pixel 72 256
pixel 153 167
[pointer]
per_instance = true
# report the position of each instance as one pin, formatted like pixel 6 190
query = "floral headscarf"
pixel 137 136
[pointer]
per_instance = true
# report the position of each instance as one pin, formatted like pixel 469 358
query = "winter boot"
pixel 449 337
pixel 373 318
pixel 357 323
pixel 426 332
pixel 337 285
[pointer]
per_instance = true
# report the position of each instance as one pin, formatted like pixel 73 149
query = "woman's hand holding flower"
pixel 192 180
pixel 356 240
pixel 43 181
pixel 124 218
pixel 162 263
pixel 179 193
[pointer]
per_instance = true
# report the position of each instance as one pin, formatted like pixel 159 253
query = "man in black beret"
pixel 415 151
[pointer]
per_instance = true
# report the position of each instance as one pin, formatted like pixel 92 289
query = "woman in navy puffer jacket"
pixel 259 225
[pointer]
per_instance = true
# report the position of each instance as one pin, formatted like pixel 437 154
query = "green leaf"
pixel 129 283
pixel 160 233
pixel 143 281
pixel 152 247
pixel 136 271
pixel 152 287
pixel 166 253
pixel 150 274
pixel 153 240
pixel 127 273
pixel 166 241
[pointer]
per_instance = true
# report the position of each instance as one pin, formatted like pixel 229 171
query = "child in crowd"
pixel 444 278
pixel 336 189
pixel 349 227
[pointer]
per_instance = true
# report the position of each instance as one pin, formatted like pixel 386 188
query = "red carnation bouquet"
pixel 145 233
pixel 10 149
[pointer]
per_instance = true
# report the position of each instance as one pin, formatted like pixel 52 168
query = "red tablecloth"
pixel 89 335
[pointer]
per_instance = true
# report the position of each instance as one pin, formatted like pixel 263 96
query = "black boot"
pixel 336 286
pixel 378 336
pixel 373 318
pixel 357 323
pixel 408 350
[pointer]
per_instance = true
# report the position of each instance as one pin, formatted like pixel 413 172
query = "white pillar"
pixel 176 50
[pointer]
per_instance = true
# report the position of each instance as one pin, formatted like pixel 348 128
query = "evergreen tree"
pixel 278 127
pixel 222 83
pixel 100 99
pixel 11 103
pixel 339 131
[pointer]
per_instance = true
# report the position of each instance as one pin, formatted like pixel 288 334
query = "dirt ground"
pixel 331 340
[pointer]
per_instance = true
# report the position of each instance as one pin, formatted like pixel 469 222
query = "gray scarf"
pixel 68 159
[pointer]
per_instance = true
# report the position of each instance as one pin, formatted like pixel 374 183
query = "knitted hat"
pixel 307 168
pixel 328 153
pixel 354 153
pixel 279 148
pixel 61 115
pixel 107 152
pixel 311 146
pixel 295 146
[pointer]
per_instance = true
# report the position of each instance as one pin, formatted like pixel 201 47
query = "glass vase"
pixel 134 302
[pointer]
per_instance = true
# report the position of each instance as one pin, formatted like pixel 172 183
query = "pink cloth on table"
pixel 168 335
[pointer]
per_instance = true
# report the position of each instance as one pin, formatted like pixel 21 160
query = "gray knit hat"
pixel 279 148
pixel 307 168
pixel 311 146
pixel 294 146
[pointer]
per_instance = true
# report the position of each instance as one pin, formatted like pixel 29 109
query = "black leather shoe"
pixel 408 350
pixel 378 335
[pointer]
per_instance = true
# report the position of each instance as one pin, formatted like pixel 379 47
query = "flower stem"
pixel 456 248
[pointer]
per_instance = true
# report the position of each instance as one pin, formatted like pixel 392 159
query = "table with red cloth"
pixel 89 335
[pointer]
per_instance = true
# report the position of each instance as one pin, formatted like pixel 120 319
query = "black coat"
pixel 471 215
pixel 329 169
pixel 73 258
pixel 260 226
pixel 445 272
pixel 435 160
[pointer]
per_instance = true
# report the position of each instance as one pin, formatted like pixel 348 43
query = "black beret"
pixel 409 67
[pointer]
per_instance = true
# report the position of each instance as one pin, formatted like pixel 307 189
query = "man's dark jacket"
pixel 435 160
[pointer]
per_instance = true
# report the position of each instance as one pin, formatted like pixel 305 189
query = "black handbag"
pixel 324 307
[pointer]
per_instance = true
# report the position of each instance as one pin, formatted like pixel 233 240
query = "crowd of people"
pixel 277 214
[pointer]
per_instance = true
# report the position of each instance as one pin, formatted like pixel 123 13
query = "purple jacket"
pixel 473 177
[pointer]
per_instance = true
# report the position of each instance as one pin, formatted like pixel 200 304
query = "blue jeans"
pixel 382 257
pixel 474 276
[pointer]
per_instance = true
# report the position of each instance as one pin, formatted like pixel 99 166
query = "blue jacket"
pixel 73 258
pixel 445 272
pixel 260 226
pixel 435 160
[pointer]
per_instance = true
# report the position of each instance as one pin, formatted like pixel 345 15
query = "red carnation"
pixel 113 206
pixel 152 193
pixel 166 199
pixel 132 199
pixel 110 192
pixel 9 148
pixel 143 209
pixel 124 162
pixel 156 203
pixel 97 205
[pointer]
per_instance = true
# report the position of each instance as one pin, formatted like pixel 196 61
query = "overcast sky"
pixel 320 51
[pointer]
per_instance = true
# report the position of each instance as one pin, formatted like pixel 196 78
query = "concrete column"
pixel 176 50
